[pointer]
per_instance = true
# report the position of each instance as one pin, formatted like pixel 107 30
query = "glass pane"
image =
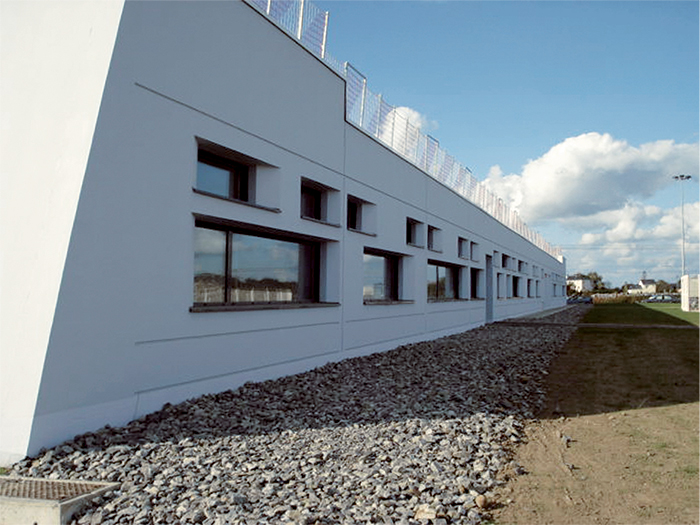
pixel 441 281
pixel 450 283
pixel 212 179
pixel 264 270
pixel 375 278
pixel 432 282
pixel 209 265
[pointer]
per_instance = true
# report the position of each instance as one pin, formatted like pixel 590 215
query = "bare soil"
pixel 617 442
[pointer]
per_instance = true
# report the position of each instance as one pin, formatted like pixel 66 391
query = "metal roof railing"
pixel 391 125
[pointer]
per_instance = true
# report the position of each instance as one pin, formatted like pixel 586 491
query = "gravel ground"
pixel 415 435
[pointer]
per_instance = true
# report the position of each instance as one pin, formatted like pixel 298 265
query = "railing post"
pixel 269 7
pixel 362 102
pixel 325 35
pixel 379 114
pixel 300 25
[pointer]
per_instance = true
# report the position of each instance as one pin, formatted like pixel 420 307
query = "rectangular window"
pixel 311 203
pixel 474 251
pixel 223 177
pixel 242 267
pixel 414 230
pixel 476 280
pixel 381 276
pixel 463 248
pixel 443 282
pixel 354 214
pixel 504 261
pixel 434 238
pixel 516 287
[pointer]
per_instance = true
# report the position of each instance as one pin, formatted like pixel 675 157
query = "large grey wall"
pixel 123 339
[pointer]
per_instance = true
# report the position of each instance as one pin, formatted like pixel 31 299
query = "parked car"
pixel 663 298
pixel 579 299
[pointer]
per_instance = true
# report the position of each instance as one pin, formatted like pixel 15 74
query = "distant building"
pixel 645 287
pixel 580 283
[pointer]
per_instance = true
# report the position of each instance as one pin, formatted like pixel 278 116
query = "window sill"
pixel 441 301
pixel 260 306
pixel 414 245
pixel 236 201
pixel 434 250
pixel 362 232
pixel 319 221
pixel 375 303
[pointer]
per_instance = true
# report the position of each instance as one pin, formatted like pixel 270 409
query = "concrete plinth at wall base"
pixel 34 501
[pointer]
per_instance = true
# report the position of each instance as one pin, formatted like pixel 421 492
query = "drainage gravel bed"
pixel 415 435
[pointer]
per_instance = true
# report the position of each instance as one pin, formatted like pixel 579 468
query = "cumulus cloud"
pixel 601 191
pixel 589 174
pixel 415 118
pixel 623 243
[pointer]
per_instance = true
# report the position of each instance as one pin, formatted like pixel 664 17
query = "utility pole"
pixel 681 179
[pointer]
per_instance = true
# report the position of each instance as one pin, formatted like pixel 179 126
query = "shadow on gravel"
pixel 496 369
pixel 606 369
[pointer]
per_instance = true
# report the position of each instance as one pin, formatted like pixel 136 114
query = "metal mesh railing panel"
pixel 314 29
pixel 386 123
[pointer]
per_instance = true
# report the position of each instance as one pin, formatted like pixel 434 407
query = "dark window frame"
pixel 312 294
pixel 412 231
pixel 240 184
pixel 354 213
pixel 311 202
pixel 392 272
pixel 455 270
pixel 434 239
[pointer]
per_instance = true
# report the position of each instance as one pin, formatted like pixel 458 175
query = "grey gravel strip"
pixel 416 435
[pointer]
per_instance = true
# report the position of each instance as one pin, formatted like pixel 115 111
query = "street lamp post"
pixel 681 178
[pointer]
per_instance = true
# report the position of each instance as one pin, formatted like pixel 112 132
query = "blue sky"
pixel 576 113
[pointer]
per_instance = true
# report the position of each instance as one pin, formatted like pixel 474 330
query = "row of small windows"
pixel 244 265
pixel 513 286
pixel 414 234
pixel 238 266
pixel 230 179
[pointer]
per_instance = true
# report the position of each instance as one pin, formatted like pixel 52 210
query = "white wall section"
pixel 99 324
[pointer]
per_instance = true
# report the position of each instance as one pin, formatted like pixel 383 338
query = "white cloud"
pixel 589 174
pixel 621 244
pixel 415 118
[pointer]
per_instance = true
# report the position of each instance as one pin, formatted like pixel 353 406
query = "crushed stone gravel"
pixel 415 435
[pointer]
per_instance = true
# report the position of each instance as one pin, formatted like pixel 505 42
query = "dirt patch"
pixel 631 467
pixel 617 441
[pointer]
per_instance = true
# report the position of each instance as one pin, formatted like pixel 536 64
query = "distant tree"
pixel 664 287
pixel 596 279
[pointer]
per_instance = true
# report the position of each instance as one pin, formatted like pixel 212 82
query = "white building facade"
pixel 191 210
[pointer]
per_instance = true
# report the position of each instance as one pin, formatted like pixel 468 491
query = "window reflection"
pixel 264 270
pixel 237 268
pixel 213 179
pixel 442 282
pixel 375 278
pixel 209 265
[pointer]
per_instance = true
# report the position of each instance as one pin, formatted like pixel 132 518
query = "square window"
pixel 223 177
pixel 443 282
pixel 474 251
pixel 380 276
